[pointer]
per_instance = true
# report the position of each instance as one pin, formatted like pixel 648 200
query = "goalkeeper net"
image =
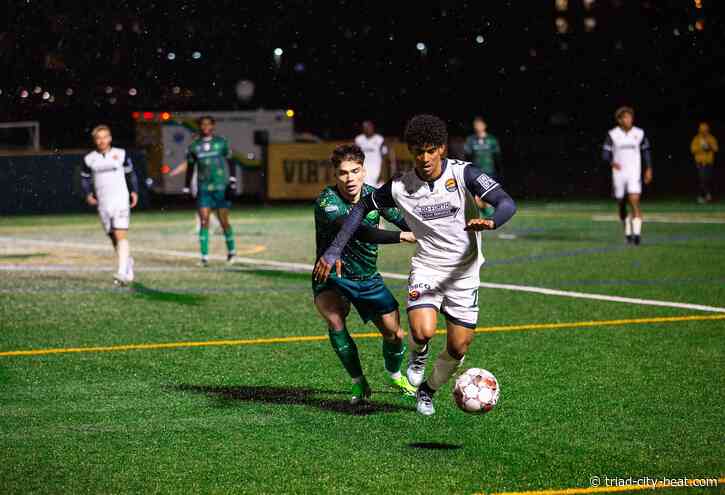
pixel 19 136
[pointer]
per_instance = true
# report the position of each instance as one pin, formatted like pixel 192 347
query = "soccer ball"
pixel 476 391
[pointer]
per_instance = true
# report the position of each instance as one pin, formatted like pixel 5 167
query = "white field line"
pixel 304 267
pixel 655 218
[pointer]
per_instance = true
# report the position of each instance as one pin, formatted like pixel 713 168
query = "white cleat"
pixel 120 280
pixel 129 271
pixel 424 405
pixel 416 365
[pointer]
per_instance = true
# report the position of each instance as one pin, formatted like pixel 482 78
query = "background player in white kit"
pixel 625 149
pixel 108 180
pixel 438 201
pixel 375 149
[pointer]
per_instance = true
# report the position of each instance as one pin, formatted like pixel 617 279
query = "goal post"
pixel 21 135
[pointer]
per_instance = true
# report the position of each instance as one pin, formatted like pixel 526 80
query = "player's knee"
pixel 458 349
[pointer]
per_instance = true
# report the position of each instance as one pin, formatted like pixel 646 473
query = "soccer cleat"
pixel 204 263
pixel 232 259
pixel 629 239
pixel 424 396
pixel 403 385
pixel 360 392
pixel 129 270
pixel 637 239
pixel 416 365
pixel 120 280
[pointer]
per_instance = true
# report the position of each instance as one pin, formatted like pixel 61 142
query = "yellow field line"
pixel 368 335
pixel 607 489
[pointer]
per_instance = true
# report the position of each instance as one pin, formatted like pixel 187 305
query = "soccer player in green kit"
pixel 216 182
pixel 361 285
pixel 482 149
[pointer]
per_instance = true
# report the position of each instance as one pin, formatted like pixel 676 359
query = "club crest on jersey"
pixel 114 156
pixel 413 295
pixel 206 146
pixel 436 211
pixel 451 185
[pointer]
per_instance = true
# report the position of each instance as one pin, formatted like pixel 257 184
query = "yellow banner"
pixel 302 170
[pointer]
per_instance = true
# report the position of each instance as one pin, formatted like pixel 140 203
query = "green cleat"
pixel 403 385
pixel 360 392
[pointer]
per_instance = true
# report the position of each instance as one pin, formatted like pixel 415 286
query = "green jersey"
pixel 210 156
pixel 359 258
pixel 483 152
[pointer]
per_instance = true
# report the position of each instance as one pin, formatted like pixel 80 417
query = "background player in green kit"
pixel 361 284
pixel 216 183
pixel 482 149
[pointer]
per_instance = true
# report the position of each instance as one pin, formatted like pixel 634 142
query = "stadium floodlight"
pixel 196 55
pixel 10 128
pixel 171 56
pixel 132 92
pixel 479 39
pixel 420 46
pixel 278 52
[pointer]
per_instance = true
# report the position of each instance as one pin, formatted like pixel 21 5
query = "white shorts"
pixel 626 183
pixel 456 298
pixel 115 219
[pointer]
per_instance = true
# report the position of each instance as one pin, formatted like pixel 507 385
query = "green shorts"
pixel 212 199
pixel 370 297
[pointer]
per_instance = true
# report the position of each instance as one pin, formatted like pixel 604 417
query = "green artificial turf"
pixel 618 400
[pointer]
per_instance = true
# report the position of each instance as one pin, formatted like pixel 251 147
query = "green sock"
pixel 229 237
pixel 393 353
pixel 204 241
pixel 346 350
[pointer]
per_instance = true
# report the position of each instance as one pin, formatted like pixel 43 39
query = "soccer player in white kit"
pixel 625 149
pixel 374 148
pixel 437 199
pixel 108 180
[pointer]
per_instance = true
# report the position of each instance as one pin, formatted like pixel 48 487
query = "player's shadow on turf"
pixel 292 396
pixel 274 274
pixel 157 295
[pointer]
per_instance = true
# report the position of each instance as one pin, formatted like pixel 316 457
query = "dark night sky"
pixel 345 61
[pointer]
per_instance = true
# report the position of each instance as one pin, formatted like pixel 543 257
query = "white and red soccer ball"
pixel 476 391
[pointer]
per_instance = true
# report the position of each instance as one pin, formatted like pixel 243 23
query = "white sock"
pixel 357 380
pixel 396 375
pixel 637 225
pixel 413 345
pixel 628 226
pixel 123 252
pixel 443 369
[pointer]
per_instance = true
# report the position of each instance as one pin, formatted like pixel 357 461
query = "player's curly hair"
pixel 347 152
pixel 205 117
pixel 426 130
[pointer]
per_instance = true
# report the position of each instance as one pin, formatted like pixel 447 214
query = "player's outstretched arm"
pixel 190 166
pixel 483 186
pixel 375 236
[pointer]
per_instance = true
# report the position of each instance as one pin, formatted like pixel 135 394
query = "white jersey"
pixel 437 213
pixel 374 149
pixel 108 172
pixel 626 149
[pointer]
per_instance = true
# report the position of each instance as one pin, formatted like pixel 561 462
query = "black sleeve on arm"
pixel 646 151
pixel 86 179
pixel 190 164
pixel 504 206
pixel 349 226
pixel 131 179
pixel 607 149
pixel 478 183
pixel 373 235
